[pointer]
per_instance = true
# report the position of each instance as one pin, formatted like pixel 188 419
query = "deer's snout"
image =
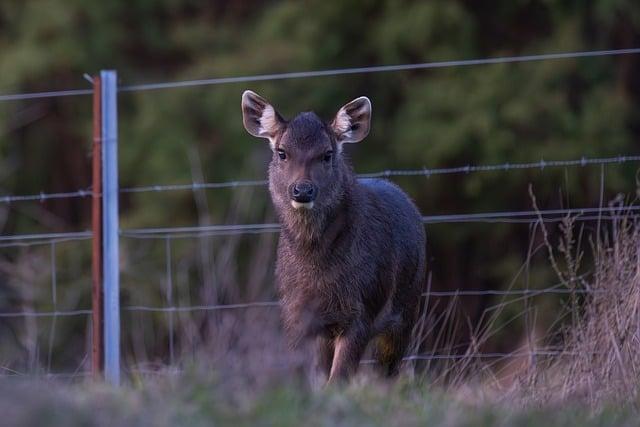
pixel 303 192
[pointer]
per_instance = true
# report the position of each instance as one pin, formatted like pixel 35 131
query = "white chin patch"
pixel 298 205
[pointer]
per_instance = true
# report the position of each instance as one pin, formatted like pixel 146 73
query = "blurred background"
pixel 489 114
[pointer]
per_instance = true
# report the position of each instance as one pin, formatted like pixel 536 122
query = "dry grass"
pixel 602 340
pixel 231 367
pixel 598 365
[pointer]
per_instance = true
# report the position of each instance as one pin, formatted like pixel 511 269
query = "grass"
pixel 193 400
pixel 244 378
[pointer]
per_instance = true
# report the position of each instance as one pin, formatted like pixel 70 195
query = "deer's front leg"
pixel 324 348
pixel 348 350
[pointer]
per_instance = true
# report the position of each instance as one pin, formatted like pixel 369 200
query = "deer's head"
pixel 307 170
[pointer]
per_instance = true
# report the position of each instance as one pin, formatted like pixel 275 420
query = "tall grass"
pixel 237 366
pixel 602 340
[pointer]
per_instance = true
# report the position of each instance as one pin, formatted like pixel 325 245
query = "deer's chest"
pixel 327 293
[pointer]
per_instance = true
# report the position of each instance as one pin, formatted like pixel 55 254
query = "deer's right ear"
pixel 260 118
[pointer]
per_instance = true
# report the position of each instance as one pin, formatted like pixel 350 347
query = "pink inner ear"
pixel 351 122
pixel 342 123
pixel 269 121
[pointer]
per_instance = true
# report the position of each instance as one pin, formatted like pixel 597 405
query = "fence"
pixel 105 233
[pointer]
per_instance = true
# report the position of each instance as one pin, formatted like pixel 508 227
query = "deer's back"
pixel 390 205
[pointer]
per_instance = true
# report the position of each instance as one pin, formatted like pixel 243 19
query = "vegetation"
pixel 196 401
pixel 561 109
pixel 248 380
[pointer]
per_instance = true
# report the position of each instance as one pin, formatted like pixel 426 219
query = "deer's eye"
pixel 282 154
pixel 327 156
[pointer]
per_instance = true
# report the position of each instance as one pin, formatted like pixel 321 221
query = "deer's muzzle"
pixel 303 192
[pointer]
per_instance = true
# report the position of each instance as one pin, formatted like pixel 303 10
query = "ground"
pixel 202 400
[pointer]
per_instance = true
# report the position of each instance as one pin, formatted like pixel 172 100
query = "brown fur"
pixel 351 269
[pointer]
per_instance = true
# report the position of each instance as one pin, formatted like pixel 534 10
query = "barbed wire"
pixel 541 165
pixel 195 186
pixel 327 73
pixel 426 172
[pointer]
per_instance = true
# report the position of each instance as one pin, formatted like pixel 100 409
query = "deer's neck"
pixel 316 230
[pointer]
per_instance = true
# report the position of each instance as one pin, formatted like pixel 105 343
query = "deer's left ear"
pixel 352 122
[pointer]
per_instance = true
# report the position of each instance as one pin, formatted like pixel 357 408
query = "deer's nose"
pixel 304 192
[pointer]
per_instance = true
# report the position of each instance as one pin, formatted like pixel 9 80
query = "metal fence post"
pixel 111 264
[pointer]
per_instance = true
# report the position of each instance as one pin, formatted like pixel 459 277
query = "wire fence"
pixel 426 172
pixel 167 236
pixel 169 233
pixel 181 232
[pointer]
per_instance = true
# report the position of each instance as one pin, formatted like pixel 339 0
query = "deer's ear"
pixel 352 122
pixel 260 118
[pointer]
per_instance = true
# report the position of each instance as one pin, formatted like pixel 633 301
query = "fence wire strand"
pixel 523 293
pixel 327 73
pixel 379 69
pixel 426 172
pixel 37 239
pixel 41 197
pixel 531 216
pixel 528 293
pixel 6 372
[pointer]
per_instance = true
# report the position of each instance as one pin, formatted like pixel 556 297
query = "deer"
pixel 350 265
